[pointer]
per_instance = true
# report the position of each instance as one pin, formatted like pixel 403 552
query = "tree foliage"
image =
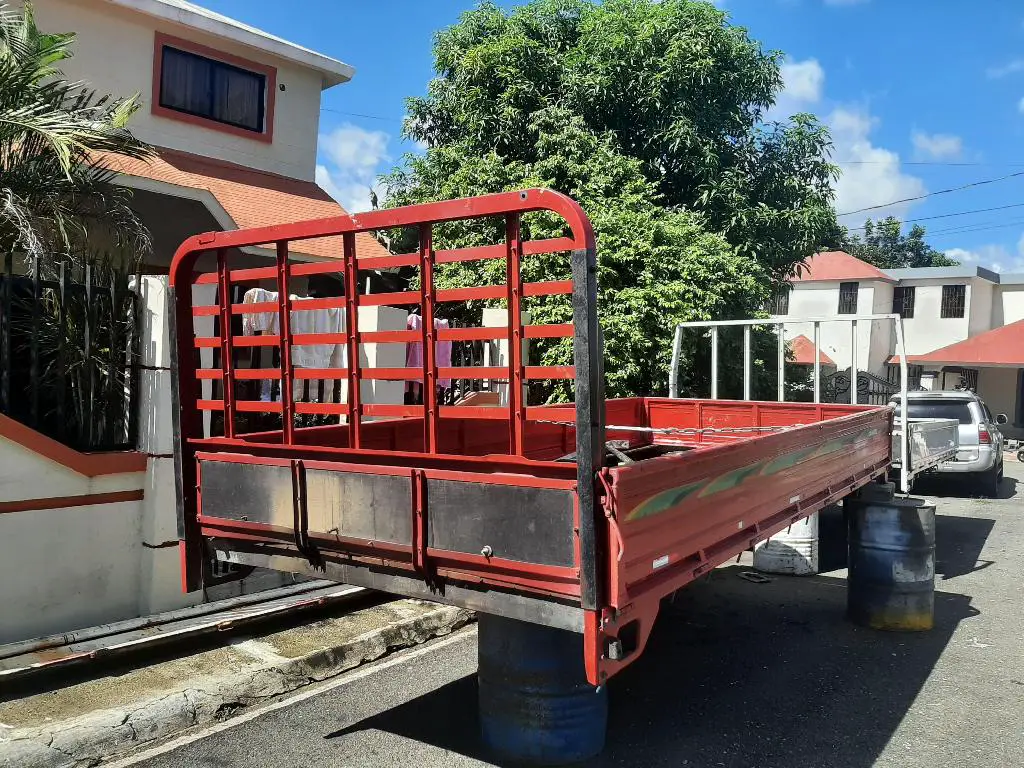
pixel 650 114
pixel 886 246
pixel 55 189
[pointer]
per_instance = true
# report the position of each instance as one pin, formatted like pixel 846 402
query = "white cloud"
pixel 802 85
pixel 351 161
pixel 1011 67
pixel 996 257
pixel 936 146
pixel 871 175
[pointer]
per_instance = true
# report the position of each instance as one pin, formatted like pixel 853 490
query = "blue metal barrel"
pixel 891 581
pixel 536 706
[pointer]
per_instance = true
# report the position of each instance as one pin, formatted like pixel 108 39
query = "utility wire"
pixel 946 215
pixel 937 192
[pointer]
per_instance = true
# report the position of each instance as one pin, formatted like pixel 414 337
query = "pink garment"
pixel 414 351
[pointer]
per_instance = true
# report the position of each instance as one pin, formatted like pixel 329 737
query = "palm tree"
pixel 56 192
pixel 59 204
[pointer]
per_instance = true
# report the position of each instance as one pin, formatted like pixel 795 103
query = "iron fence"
pixel 69 352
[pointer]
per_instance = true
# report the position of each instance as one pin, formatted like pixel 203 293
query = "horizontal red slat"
pixel 255 341
pixel 336 409
pixel 206 310
pixel 389 262
pixel 207 342
pixel 549 288
pixel 474 372
pixel 210 405
pixel 475 293
pixel 471 334
pixel 385 337
pixel 242 406
pixel 270 273
pixel 256 308
pixel 209 374
pixel 249 374
pixel 498 251
pixel 330 302
pixel 384 409
pixel 308 339
pixel 319 373
pixel 381 299
pixel 500 413
pixel 550 372
pixel 562 331
pixel 391 374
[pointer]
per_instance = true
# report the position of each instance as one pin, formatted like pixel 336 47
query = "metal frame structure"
pixel 779 325
pixel 580 516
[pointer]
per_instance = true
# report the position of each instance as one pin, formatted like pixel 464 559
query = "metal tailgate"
pixel 929 442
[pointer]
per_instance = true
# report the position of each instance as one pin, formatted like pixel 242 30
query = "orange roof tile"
pixel 837 265
pixel 1003 346
pixel 250 197
pixel 803 352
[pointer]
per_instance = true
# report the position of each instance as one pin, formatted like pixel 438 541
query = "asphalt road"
pixel 737 674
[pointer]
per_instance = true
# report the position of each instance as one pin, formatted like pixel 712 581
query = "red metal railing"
pixel 579 283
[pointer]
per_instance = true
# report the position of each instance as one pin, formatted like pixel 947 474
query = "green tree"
pixel 651 115
pixel 55 190
pixel 885 245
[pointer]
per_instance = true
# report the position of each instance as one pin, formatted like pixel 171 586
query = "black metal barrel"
pixel 536 707
pixel 891 581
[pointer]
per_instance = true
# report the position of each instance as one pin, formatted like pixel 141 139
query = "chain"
pixel 680 430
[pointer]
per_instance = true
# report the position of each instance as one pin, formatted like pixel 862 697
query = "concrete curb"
pixel 89 739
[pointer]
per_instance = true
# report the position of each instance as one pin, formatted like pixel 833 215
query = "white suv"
pixel 981 443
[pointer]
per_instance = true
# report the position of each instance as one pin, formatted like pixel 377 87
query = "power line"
pixel 948 215
pixel 933 194
pixel 360 114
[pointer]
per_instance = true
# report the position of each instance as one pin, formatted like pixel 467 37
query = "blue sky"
pixel 921 97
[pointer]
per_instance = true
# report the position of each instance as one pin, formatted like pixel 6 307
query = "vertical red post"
pixel 284 322
pixel 352 329
pixel 427 298
pixel 514 280
pixel 227 352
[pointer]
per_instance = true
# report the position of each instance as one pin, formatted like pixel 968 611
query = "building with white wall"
pixel 233 113
pixel 960 324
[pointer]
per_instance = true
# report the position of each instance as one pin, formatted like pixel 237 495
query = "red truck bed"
pixel 578 516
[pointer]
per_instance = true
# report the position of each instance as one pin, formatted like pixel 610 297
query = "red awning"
pixel 1001 347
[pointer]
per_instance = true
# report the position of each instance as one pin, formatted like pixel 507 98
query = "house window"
pixel 954 301
pixel 903 301
pixel 214 89
pixel 848 298
pixel 782 300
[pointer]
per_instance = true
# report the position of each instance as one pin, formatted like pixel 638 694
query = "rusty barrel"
pixel 891 581
pixel 536 706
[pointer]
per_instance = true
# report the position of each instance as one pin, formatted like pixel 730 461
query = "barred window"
pixel 903 301
pixel 848 298
pixel 954 301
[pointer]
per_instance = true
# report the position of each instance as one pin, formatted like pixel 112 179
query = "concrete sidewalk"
pixel 88 721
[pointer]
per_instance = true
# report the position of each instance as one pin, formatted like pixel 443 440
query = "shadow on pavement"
pixel 737 674
pixel 961 487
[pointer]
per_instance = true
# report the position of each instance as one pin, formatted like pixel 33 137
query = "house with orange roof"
pixel 222 162
pixel 233 113
pixel 963 326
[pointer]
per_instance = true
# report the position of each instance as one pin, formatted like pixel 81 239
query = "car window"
pixel 940 409
pixel 988 414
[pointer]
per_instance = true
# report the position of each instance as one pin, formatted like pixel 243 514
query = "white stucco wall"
pixel 821 299
pixel 980 296
pixel 114 52
pixel 65 569
pixel 927 330
pixel 1011 303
